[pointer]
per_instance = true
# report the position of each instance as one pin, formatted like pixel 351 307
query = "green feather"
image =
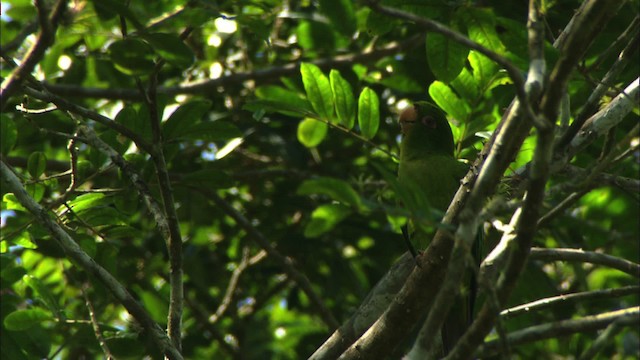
pixel 428 167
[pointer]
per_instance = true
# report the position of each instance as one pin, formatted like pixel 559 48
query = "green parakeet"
pixel 427 163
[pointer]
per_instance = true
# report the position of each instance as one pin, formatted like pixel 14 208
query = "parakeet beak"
pixel 407 118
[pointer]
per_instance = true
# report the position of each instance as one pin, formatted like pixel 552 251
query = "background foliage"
pixel 278 127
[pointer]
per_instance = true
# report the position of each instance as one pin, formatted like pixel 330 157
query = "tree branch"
pixel 568 298
pixel 259 76
pixel 606 83
pixel 63 104
pixel 45 38
pixel 12 184
pixel 602 121
pixel 285 262
pixel 624 317
pixel 434 26
pixel 578 255
pixel 369 310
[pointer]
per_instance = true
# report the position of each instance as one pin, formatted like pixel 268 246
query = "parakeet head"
pixel 426 129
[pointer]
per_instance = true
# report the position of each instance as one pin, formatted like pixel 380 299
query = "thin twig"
pixel 285 262
pixel 95 324
pixel 46 36
pixel 234 281
pixel 12 184
pixel 578 297
pixel 624 317
pixel 578 255
pixel 258 76
pixel 431 25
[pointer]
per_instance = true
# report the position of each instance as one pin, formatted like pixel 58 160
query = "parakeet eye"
pixel 429 122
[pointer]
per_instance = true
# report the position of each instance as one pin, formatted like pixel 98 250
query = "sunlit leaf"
pixel 368 113
pixel 343 99
pixel 336 189
pixel 324 218
pixel 318 89
pixel 25 319
pixel 446 57
pixel 44 293
pixel 448 101
pixel 311 132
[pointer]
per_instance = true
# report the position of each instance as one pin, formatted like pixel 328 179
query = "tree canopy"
pixel 216 179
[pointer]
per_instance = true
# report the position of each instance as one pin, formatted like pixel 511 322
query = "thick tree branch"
pixel 369 310
pixel 586 24
pixel 602 121
pixel 75 253
pixel 605 84
pixel 625 317
pixel 624 183
pixel 173 237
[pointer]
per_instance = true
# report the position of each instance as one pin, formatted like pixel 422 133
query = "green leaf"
pixel 104 215
pixel 484 69
pixel 23 239
pixel 318 90
pixel 343 99
pixel 259 107
pixel 11 203
pixel 379 24
pixel 466 85
pixel 8 134
pixel 336 189
pixel 36 164
pixel 171 48
pixel 324 218
pixel 128 116
pixel 481 27
pixel 448 101
pixel 127 201
pixel 87 201
pixel 288 98
pixel 11 272
pixel 314 36
pixel 155 304
pixel 446 57
pixel 341 14
pixel 25 319
pixel 183 118
pixel 88 243
pixel 36 191
pixel 43 292
pixel 311 132
pixel 368 113
pixel 110 8
pixel 132 56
